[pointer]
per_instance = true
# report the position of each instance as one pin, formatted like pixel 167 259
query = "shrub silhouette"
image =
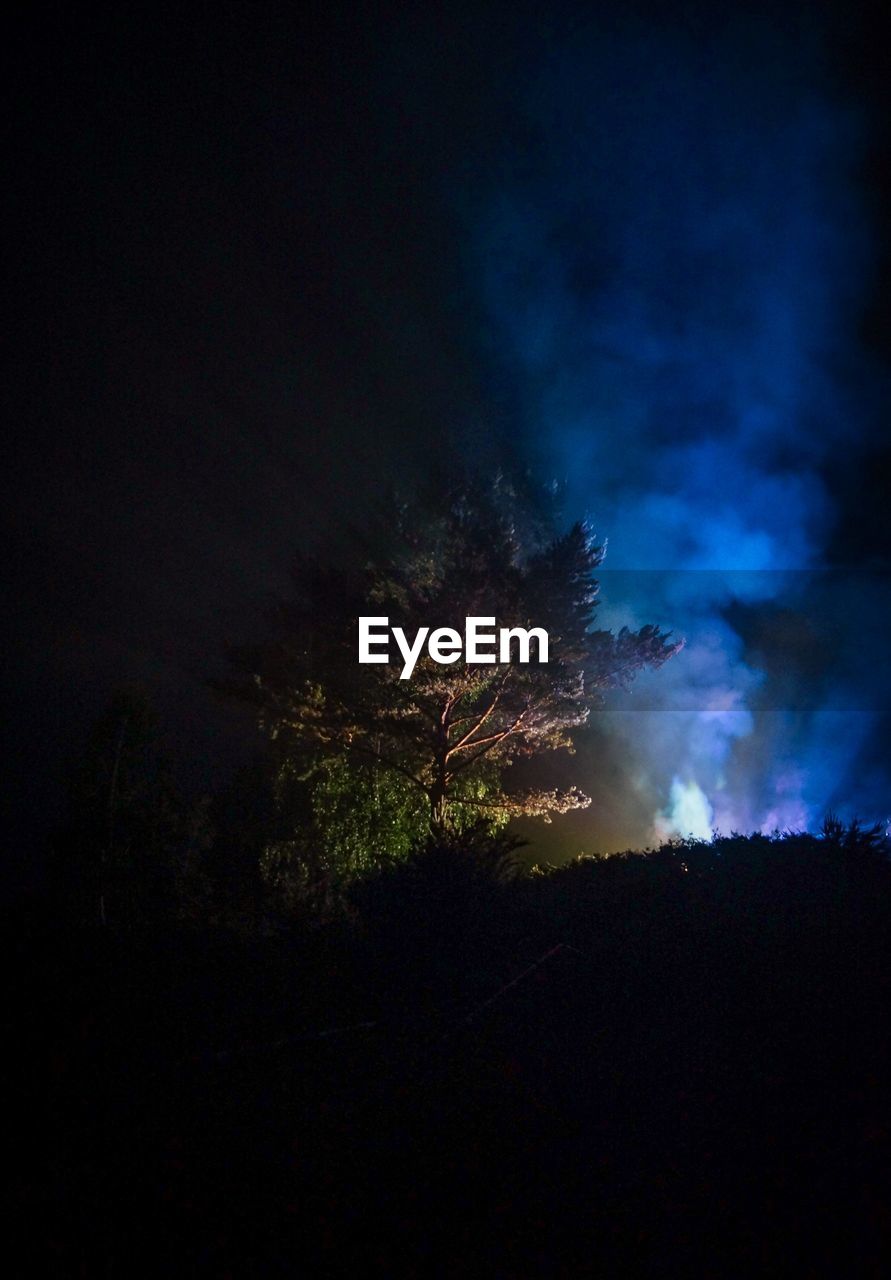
pixel 450 898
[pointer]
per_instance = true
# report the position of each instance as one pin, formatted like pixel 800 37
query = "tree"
pixel 132 847
pixel 335 822
pixel 448 732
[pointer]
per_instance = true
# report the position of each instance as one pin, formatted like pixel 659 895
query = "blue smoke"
pixel 672 274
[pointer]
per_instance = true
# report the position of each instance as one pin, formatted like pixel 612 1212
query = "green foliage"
pixel 364 815
pixel 337 820
pixel 451 731
pixel 342 819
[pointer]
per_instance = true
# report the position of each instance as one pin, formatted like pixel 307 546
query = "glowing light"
pixel 688 813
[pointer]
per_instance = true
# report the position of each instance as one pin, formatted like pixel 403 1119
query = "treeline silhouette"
pixel 661 1063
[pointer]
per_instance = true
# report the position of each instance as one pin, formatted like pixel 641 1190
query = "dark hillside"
pixel 669 1062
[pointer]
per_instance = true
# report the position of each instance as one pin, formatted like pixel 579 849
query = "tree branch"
pixel 488 743
pixel 481 720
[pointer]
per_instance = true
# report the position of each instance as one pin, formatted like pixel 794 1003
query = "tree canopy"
pixel 450 731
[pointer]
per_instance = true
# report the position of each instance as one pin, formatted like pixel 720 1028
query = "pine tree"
pixel 450 731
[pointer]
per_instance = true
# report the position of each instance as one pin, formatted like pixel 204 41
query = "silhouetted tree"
pixel 132 847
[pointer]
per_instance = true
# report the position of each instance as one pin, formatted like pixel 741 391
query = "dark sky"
pixel 264 261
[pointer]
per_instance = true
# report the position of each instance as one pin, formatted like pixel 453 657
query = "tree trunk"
pixel 437 812
pixel 438 798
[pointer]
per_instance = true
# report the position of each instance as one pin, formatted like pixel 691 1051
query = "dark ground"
pixel 693 1081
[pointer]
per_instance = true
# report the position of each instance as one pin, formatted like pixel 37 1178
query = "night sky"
pixel 264 263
